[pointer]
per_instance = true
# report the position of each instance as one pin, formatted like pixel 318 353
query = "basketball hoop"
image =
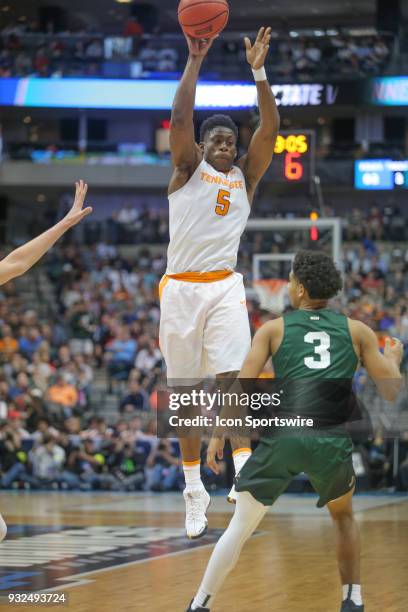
pixel 272 294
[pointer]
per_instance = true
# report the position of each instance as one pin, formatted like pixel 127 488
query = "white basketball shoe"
pixel 197 504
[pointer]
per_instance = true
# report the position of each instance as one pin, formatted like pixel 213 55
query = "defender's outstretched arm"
pixel 22 259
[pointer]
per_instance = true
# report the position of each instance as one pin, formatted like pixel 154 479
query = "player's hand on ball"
pixel 78 212
pixel 215 451
pixel 394 349
pixel 257 52
pixel 199 47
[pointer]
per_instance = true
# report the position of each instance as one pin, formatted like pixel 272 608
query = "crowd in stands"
pixel 135 225
pixel 27 52
pixel 102 325
pixel 131 225
pixel 336 55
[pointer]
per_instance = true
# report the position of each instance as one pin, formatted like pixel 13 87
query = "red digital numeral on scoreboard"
pixel 293 169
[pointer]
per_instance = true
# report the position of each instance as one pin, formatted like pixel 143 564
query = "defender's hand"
pixel 199 47
pixel 215 450
pixel 77 212
pixel 257 52
pixel 394 349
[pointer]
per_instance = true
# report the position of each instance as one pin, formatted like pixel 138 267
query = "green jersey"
pixel 314 367
pixel 316 344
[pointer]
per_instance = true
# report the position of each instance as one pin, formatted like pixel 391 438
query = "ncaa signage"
pixel 305 94
pixel 159 94
pixel 155 94
pixel 390 91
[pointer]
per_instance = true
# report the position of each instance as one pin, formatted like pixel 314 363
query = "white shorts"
pixel 204 328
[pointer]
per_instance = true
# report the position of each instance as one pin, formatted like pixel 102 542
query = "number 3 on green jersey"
pixel 321 342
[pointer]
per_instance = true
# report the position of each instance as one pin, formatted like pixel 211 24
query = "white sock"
pixel 248 514
pixel 192 475
pixel 240 457
pixel 355 593
pixel 3 528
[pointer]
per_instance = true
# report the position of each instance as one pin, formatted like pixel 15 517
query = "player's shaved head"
pixel 318 274
pixel 217 121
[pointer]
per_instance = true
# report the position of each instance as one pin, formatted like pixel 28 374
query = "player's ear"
pixel 202 146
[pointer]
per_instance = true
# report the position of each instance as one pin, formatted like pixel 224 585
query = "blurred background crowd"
pixel 25 51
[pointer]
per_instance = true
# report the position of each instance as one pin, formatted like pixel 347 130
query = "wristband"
pixel 260 74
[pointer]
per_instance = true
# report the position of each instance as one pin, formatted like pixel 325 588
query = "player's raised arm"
pixel 22 259
pixel 384 369
pixel 185 153
pixel 256 161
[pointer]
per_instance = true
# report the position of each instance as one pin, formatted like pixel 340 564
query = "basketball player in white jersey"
pixel 22 259
pixel 204 327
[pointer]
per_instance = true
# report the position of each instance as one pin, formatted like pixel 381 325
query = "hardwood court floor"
pixel 98 549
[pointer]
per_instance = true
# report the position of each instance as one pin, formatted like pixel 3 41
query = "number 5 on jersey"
pixel 223 202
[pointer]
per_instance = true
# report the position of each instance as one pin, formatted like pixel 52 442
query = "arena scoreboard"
pixel 381 174
pixel 294 157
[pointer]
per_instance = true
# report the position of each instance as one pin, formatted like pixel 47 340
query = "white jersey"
pixel 207 218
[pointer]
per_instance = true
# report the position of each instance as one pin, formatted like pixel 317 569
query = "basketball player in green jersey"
pixel 19 261
pixel 313 342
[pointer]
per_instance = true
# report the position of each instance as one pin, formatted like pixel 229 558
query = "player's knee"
pixel 3 529
pixel 343 518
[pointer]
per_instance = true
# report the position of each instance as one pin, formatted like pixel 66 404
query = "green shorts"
pixel 276 461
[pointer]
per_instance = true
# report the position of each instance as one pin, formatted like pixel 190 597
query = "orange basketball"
pixel 203 18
